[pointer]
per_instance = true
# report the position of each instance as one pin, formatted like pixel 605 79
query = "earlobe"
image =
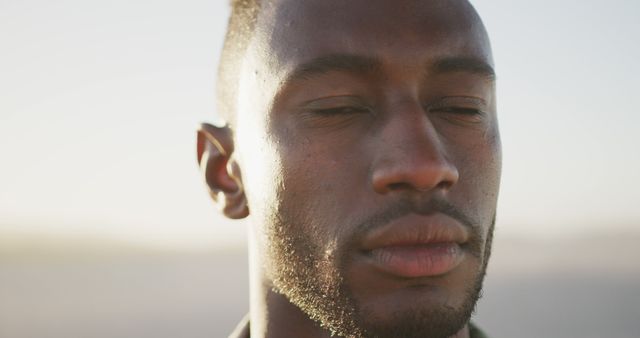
pixel 220 171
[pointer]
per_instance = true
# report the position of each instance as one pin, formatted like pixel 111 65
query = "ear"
pixel 220 172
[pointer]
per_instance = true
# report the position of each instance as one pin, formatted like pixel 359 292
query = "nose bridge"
pixel 411 154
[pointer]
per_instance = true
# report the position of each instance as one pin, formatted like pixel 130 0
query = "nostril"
pixel 398 186
pixel 444 185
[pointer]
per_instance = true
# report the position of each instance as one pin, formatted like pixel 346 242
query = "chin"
pixel 431 309
pixel 427 315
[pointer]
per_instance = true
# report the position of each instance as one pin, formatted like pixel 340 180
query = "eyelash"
pixel 460 110
pixel 346 110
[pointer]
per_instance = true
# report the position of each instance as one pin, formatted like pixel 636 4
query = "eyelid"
pixel 337 103
pixel 340 111
pixel 464 102
pixel 333 113
pixel 333 101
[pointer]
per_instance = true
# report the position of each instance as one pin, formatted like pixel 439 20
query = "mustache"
pixel 405 206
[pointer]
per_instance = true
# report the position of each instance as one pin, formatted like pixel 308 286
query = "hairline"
pixel 241 28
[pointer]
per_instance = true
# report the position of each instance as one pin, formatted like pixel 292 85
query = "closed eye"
pixel 461 106
pixel 346 110
pixel 459 110
pixel 460 115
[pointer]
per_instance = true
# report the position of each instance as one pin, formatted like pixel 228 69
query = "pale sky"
pixel 99 102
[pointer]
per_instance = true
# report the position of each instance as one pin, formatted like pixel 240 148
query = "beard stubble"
pixel 309 272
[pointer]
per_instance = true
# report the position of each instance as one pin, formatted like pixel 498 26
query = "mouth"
pixel 416 246
pixel 415 261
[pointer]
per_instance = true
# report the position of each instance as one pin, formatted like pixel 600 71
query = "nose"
pixel 411 157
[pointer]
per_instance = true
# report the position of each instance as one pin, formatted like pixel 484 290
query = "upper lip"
pixel 414 230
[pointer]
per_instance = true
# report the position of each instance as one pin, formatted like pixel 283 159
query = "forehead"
pixel 405 31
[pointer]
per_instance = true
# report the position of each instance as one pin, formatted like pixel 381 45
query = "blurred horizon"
pixel 586 288
pixel 39 240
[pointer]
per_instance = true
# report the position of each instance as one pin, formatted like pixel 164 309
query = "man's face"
pixel 369 148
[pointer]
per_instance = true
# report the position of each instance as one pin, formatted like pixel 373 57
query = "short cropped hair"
pixel 240 29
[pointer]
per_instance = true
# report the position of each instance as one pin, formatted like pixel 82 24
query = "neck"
pixel 463 333
pixel 271 313
pixel 274 316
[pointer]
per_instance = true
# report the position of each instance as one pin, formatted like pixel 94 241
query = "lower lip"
pixel 413 261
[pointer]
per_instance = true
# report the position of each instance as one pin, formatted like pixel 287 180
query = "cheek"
pixel 479 166
pixel 261 175
pixel 308 182
pixel 322 180
pixel 491 163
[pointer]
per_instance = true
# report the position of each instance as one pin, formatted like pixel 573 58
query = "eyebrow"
pixel 464 64
pixel 359 64
pixel 356 64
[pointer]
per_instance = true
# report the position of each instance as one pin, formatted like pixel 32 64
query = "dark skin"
pixel 390 104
